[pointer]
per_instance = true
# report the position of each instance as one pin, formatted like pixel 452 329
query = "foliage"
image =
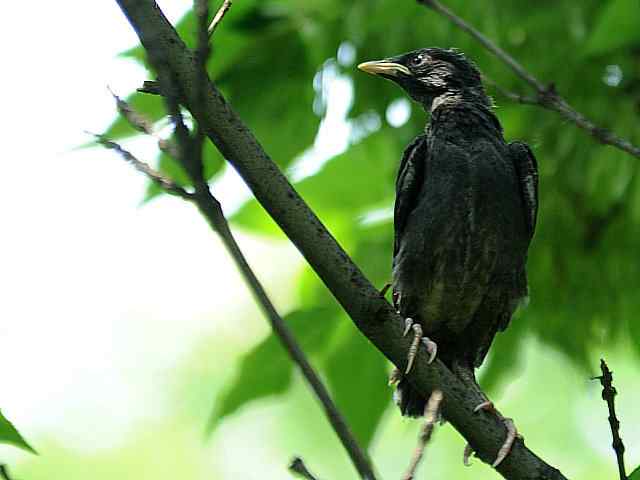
pixel 583 265
pixel 9 434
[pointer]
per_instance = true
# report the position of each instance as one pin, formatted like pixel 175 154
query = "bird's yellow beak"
pixel 384 67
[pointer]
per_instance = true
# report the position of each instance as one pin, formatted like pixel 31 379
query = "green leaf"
pixel 348 185
pixel 618 26
pixel 267 369
pixel 9 434
pixel 356 374
pixel 504 356
pixel 635 475
pixel 283 121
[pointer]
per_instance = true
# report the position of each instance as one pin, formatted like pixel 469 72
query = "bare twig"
pixel 135 119
pixel 546 95
pixel 190 156
pixel 608 395
pixel 141 123
pixel 515 97
pixel 155 176
pixel 370 312
pixel 212 211
pixel 431 412
pixel 298 467
pixel 222 11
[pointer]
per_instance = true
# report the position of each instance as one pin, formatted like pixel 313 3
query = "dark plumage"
pixel 465 213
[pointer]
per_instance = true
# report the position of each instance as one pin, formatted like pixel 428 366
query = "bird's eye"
pixel 418 60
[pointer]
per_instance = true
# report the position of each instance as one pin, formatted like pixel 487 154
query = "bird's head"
pixel 431 76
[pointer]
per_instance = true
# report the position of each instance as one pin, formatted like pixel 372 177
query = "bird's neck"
pixel 472 110
pixel 452 98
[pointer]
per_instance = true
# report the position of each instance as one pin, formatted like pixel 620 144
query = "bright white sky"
pixel 86 277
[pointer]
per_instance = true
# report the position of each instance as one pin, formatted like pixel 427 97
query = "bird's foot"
pixel 395 377
pixel 512 434
pixel 395 298
pixel 385 289
pixel 431 346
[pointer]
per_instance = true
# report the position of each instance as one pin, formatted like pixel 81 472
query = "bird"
pixel 465 213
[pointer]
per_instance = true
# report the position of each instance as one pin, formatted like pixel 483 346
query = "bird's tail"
pixel 408 399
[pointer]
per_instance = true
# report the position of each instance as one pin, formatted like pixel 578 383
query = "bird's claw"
pixel 506 447
pixel 385 289
pixel 395 377
pixel 407 326
pixel 432 347
pixel 468 451
pixel 486 405
pixel 512 434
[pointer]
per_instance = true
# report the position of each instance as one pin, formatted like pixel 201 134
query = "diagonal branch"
pixel 210 208
pixel 190 156
pixel 546 95
pixel 371 313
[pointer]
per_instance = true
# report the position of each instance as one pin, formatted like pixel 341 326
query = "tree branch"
pixel 371 313
pixel 608 395
pixel 190 156
pixel 546 96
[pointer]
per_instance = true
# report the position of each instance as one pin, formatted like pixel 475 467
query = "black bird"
pixel 465 213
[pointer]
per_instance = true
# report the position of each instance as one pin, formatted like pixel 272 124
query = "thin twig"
pixel 212 211
pixel 155 176
pixel 516 97
pixel 190 156
pixel 298 467
pixel 546 95
pixel 141 123
pixel 431 412
pixel 222 11
pixel 134 118
pixel 608 395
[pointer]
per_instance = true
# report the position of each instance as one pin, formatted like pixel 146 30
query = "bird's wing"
pixel 408 183
pixel 527 171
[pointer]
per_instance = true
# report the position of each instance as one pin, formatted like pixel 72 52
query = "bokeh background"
pixel 131 348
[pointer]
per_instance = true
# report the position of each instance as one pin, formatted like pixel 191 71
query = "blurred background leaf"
pixel 267 368
pixel 9 434
pixel 274 59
